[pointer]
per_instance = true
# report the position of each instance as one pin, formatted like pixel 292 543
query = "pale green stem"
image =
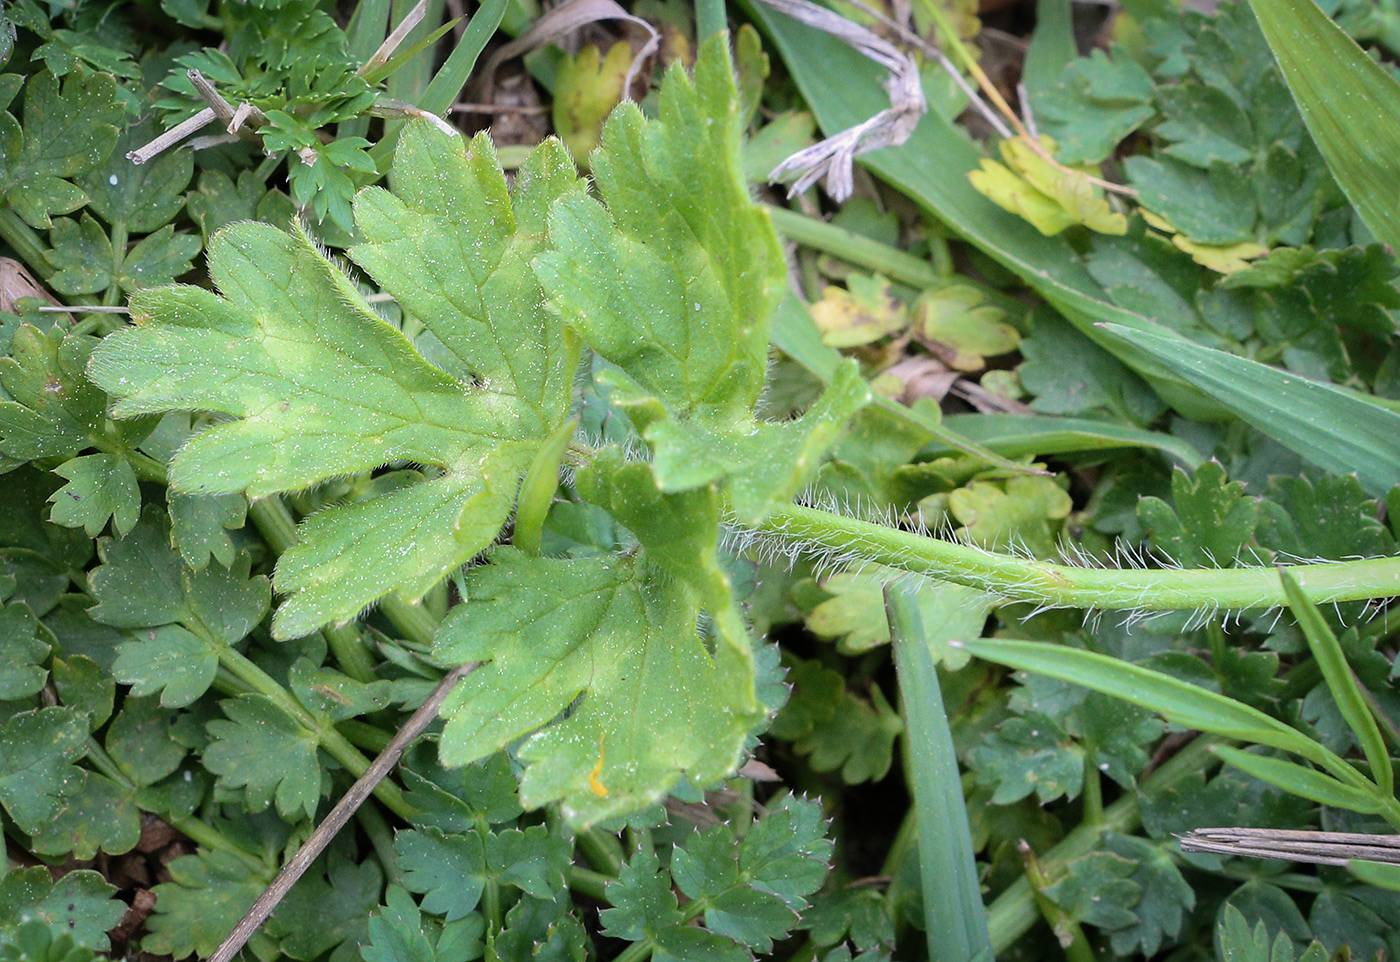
pixel 25 241
pixel 1058 585
pixel 585 881
pixel 866 252
pixel 382 839
pixel 1093 790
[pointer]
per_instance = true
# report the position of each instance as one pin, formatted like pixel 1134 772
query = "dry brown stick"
pixel 1318 848
pixel 335 821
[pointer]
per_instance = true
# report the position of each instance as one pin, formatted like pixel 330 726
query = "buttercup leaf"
pixel 676 282
pixel 321 386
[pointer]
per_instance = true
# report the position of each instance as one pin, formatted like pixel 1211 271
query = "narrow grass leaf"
pixel 1349 102
pixel 954 917
pixel 1175 700
pixel 389 66
pixel 1303 782
pixel 448 82
pixel 1341 682
pixel 1018 435
pixel 1339 430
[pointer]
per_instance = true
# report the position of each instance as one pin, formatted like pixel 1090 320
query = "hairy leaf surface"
pixel 319 385
pixel 676 282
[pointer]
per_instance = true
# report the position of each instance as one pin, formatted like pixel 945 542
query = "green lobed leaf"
pixel 1096 103
pixel 321 386
pixel 200 526
pixel 48 409
pixel 103 817
pixel 67 130
pixel 100 487
pixel 1029 754
pixel 1098 888
pixel 327 911
pixel 37 771
pixel 676 282
pixel 620 632
pixel 206 896
pixel 1236 943
pixel 139 741
pixel 397 933
pixel 1207 525
pixel 80 904
pixel 142 582
pixel 1165 898
pixel 24 647
pixel 266 752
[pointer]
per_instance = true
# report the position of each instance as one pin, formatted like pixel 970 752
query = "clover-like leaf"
pixel 676 282
pixel 320 385
pixel 48 409
pixel 261 748
pixel 37 752
pixel 1209 522
pixel 100 486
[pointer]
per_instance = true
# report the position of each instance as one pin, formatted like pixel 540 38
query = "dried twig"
pixel 391 43
pixel 171 137
pixel 241 120
pixel 1318 848
pixel 335 821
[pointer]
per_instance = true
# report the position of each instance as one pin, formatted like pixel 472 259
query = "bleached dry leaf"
pixel 832 159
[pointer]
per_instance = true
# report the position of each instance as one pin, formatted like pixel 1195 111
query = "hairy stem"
pixel 1065 586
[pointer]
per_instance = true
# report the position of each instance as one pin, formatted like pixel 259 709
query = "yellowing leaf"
pixel 958 318
pixel 1052 197
pixel 587 87
pixel 863 311
pixel 1222 258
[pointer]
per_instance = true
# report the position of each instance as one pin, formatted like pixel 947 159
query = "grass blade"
pixel 954 917
pixel 1349 103
pixel 1175 700
pixel 447 83
pixel 1339 430
pixel 1341 682
pixel 1304 782
pixel 1017 435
